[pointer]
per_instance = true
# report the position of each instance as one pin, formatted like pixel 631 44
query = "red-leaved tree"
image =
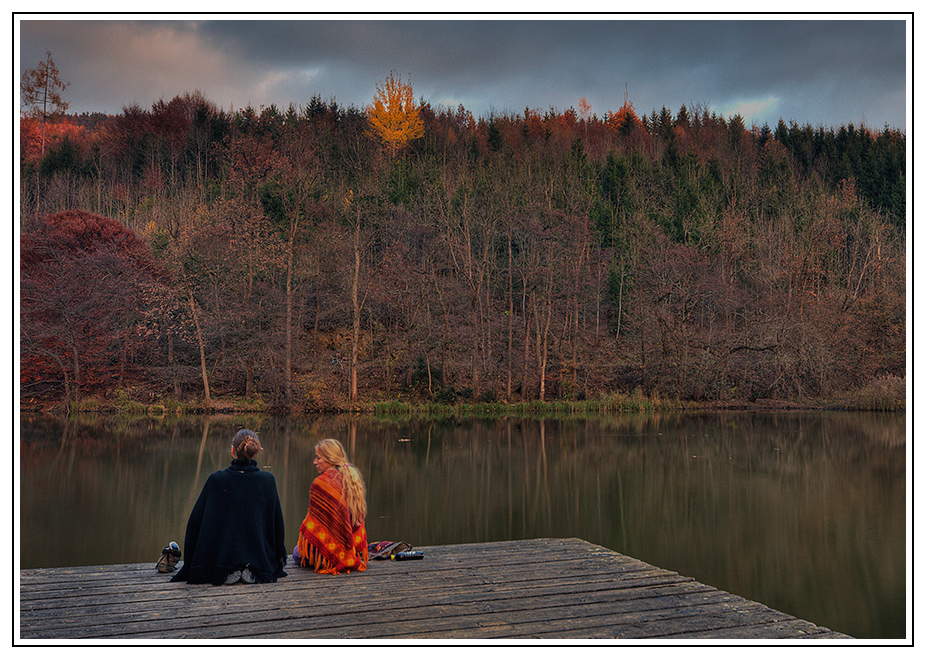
pixel 81 277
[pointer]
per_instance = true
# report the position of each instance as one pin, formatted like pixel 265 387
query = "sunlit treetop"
pixel 394 115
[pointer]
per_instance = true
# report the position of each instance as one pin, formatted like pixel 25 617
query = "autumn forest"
pixel 322 257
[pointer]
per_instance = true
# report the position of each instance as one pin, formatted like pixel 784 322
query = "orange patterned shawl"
pixel 327 541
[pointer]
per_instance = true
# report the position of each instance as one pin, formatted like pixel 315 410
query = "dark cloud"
pixel 828 72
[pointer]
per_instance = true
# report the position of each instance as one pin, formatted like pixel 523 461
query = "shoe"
pixel 233 577
pixel 247 576
pixel 170 556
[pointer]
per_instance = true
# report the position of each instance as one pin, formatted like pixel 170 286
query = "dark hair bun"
pixel 246 445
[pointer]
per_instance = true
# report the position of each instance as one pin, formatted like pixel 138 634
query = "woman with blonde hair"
pixel 333 538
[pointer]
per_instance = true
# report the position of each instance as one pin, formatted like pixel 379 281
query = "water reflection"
pixel 803 512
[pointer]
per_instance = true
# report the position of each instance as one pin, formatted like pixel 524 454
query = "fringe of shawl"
pixel 328 543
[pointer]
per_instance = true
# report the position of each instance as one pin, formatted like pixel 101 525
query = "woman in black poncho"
pixel 235 531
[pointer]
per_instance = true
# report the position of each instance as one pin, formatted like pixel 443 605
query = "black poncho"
pixel 237 522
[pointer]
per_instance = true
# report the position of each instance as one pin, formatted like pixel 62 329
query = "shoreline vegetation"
pixel 886 394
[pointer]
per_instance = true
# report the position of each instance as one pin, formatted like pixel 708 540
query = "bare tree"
pixel 40 90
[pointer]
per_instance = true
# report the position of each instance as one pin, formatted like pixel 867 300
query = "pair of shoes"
pixel 244 575
pixel 170 556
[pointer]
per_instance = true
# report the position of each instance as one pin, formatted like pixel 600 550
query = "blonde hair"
pixel 355 492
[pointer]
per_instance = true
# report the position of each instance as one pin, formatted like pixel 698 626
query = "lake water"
pixel 804 512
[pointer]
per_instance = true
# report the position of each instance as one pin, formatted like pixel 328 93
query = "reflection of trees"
pixel 746 502
pixel 499 479
pixel 196 485
pixel 749 502
pixel 113 489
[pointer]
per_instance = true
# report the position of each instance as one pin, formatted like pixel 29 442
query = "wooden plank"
pixel 523 619
pixel 362 589
pixel 423 614
pixel 231 609
pixel 68 583
pixel 543 588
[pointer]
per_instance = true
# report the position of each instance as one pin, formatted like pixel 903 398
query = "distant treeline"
pixel 303 257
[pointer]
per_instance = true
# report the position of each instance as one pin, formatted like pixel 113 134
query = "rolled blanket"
pixel 383 549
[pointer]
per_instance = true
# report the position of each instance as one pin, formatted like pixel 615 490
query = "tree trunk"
pixel 427 358
pixel 76 361
pixel 477 345
pixel 202 350
pixel 288 350
pixel 527 343
pixel 510 322
pixel 171 366
pixel 249 356
pixel 543 338
pixel 355 305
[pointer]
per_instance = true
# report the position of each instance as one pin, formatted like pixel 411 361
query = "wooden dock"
pixel 529 589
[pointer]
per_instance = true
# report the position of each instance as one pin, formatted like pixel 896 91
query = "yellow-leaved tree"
pixel 394 115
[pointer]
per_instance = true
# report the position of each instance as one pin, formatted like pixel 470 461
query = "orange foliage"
pixel 30 137
pixel 394 115
pixel 567 119
pixel 533 124
pixel 624 120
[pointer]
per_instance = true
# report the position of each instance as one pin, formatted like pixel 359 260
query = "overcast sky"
pixel 830 71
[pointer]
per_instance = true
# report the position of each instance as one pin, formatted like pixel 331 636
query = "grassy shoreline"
pixel 881 396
